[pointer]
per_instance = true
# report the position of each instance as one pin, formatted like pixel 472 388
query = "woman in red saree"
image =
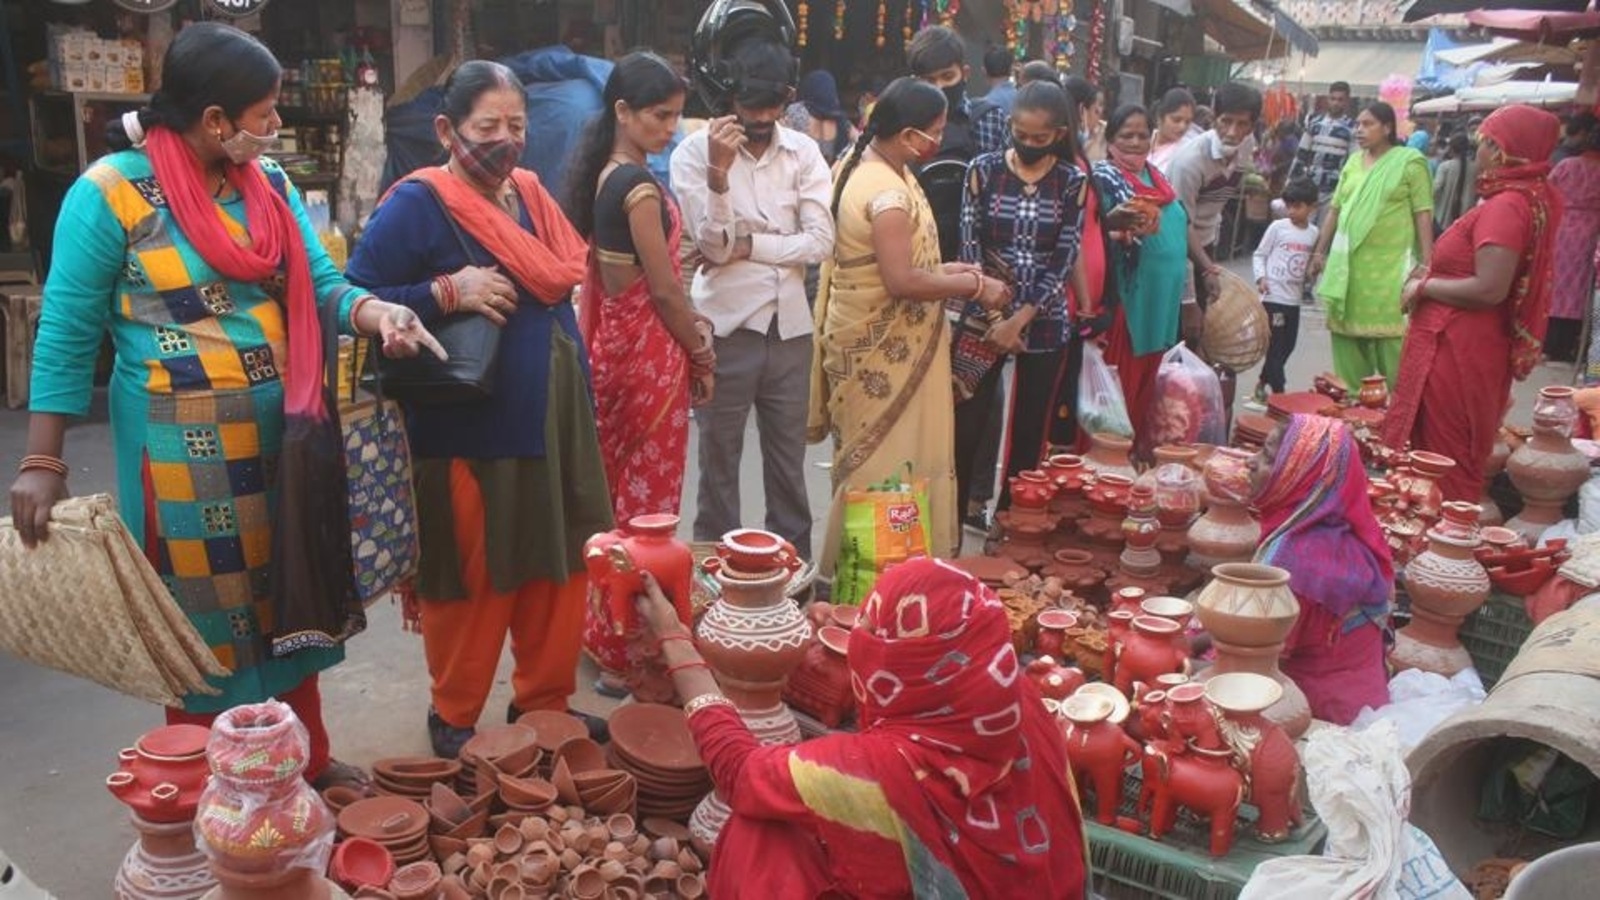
pixel 1311 493
pixel 645 346
pixel 955 786
pixel 1478 316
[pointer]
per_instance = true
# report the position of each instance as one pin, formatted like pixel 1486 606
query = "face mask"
pixel 1030 155
pixel 955 95
pixel 487 162
pixel 919 152
pixel 759 132
pixel 245 147
pixel 1221 149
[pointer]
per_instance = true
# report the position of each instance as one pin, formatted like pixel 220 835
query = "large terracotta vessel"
pixel 1249 610
pixel 614 560
pixel 1109 455
pixel 1098 751
pixel 1547 470
pixel 164 864
pixel 161 776
pixel 1446 584
pixel 1226 532
pixel 1261 748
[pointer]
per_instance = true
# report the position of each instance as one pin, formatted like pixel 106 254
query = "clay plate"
pixel 655 734
pixel 834 638
pixel 384 819
pixel 991 570
pixel 581 755
pixel 553 727
pixel 497 742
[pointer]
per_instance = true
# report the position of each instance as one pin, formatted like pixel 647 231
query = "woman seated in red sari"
pixel 1311 491
pixel 1478 316
pixel 955 786
pixel 645 347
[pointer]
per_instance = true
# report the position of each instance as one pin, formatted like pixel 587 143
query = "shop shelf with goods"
pixel 69 127
pixel 315 108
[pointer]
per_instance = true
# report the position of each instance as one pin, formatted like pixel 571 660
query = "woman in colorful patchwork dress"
pixel 509 487
pixel 1311 491
pixel 1379 226
pixel 648 350
pixel 881 377
pixel 197 256
pixel 955 785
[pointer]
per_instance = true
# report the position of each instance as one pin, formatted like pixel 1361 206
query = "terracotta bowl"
pixel 561 777
pixel 1174 608
pixel 339 796
pixel 444 847
pixel 527 793
pixel 501 744
pixel 618 799
pixel 470 828
pixel 445 805
pixel 1187 692
pixel 417 881
pixel 835 638
pixel 581 755
pixel 553 727
pixel 1242 692
pixel 1056 618
pixel 360 862
pixel 416 771
pixel 1119 702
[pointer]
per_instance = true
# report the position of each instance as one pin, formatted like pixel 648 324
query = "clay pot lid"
pixel 387 820
pixel 175 742
pixel 990 570
pixel 497 742
pixel 1057 618
pixel 1119 702
pixel 361 862
pixel 553 727
pixel 1243 691
pixel 655 734
pixel 1188 692
pixel 1164 607
pixel 834 638
pixel 1087 708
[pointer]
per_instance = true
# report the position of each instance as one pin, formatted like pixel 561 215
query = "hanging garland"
pixel 1065 24
pixel 1097 41
pixel 883 19
pixel 838 20
pixel 947 10
pixel 803 15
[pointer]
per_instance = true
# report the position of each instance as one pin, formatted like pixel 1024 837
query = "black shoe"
pixel 447 739
pixel 976 522
pixel 599 731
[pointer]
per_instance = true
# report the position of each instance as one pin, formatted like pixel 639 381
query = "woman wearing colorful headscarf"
pixel 1311 491
pixel 1478 315
pixel 1381 222
pixel 956 784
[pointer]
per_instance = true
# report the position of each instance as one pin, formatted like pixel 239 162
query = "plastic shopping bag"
pixel 1188 406
pixel 884 524
pixel 1102 408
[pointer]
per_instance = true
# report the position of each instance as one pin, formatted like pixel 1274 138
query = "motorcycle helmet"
pixel 725 24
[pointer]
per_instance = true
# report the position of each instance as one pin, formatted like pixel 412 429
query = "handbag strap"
pixel 455 226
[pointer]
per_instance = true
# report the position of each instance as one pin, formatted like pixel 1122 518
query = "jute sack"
pixel 87 602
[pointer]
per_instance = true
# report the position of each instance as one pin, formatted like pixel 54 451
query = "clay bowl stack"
pixel 1251 429
pixel 454 820
pixel 507 749
pixel 553 728
pixel 584 777
pixel 653 743
pixel 413 777
pixel 399 824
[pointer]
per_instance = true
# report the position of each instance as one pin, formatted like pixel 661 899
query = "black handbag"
pixel 471 340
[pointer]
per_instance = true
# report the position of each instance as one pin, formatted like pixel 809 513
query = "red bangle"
pixel 685 637
pixel 449 297
pixel 692 664
pixel 355 312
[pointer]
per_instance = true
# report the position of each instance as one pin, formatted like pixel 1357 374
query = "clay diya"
pixel 361 862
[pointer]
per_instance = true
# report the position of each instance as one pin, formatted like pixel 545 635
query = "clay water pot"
pixel 1446 584
pixel 1109 455
pixel 1374 392
pixel 753 636
pixel 1249 610
pixel 820 687
pixel 161 776
pixel 1128 598
pixel 1052 638
pixel 1032 490
pixel 1262 748
pixel 1148 652
pixel 614 560
pixel 1097 750
pixel 1546 470
pixel 163 865
pixel 1225 532
pixel 1068 471
pixel 753 552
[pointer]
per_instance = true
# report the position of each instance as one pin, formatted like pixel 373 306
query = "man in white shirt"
pixel 755 198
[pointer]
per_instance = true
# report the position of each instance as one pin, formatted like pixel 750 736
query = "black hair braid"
pixel 852 160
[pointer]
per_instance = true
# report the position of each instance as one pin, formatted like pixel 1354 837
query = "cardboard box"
pixel 117 80
pixel 97 78
pixel 114 56
pixel 133 79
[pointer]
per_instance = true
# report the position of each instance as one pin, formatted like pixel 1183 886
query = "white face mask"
pixel 246 147
pixel 1221 150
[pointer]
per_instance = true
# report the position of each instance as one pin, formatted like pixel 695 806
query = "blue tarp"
pixel 1438 75
pixel 564 92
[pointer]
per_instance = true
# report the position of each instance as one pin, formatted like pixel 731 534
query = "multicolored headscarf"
pixel 1319 524
pixel 1527 136
pixel 985 786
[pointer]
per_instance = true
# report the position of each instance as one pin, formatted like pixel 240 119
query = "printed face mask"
pixel 245 146
pixel 487 162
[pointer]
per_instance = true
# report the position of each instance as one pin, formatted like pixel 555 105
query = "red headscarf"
pixel 1527 136
pixel 984 784
pixel 275 246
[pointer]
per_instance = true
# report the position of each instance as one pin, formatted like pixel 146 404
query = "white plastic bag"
pixel 1360 787
pixel 1419 701
pixel 1187 407
pixel 1102 408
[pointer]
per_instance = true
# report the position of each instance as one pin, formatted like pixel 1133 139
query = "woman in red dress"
pixel 1478 315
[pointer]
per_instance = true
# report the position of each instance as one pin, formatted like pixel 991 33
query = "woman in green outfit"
pixel 1379 227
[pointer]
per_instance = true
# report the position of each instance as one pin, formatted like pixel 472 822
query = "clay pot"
pixel 1176 609
pixel 260 745
pixel 820 687
pixel 1148 652
pixel 163 865
pixel 1189 717
pixel 161 776
pixel 1109 455
pixel 417 881
pixel 1205 783
pixel 614 560
pixel 278 884
pixel 1139 532
pixel 1068 471
pixel 1547 469
pixel 751 552
pixel 1128 598
pixel 1374 392
pixel 1178 486
pixel 1077 571
pixel 753 636
pixel 1249 610
pixel 1419 486
pixel 1098 751
pixel 1119 624
pixel 1108 506
pixel 1032 490
pixel 1226 532
pixel 1446 584
pixel 1262 748
pixel 1052 638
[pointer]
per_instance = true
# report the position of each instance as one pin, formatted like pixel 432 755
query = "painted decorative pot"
pixel 1109 455
pixel 1139 532
pixel 1054 681
pixel 614 560
pixel 1178 486
pixel 1119 624
pixel 1128 598
pixel 1249 610
pixel 1069 472
pixel 1227 474
pixel 1098 751
pixel 1189 717
pixel 1032 490
pixel 1108 506
pixel 161 776
pixel 753 636
pixel 1446 584
pixel 164 864
pixel 1147 652
pixel 1261 748
pixel 1052 638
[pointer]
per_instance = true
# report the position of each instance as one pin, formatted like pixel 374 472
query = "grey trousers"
pixel 773 376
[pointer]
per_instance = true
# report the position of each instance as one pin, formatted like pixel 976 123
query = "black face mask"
pixel 1030 155
pixel 955 95
pixel 759 132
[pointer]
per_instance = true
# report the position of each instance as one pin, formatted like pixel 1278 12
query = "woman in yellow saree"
pixel 880 383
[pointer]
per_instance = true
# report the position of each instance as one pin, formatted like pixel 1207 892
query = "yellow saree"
pixel 880 375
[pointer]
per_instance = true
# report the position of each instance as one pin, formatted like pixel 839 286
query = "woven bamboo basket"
pixel 1236 331
pixel 87 602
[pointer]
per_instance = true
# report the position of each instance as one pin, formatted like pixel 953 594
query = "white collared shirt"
pixel 781 202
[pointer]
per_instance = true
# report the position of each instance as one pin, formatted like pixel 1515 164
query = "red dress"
pixel 1455 370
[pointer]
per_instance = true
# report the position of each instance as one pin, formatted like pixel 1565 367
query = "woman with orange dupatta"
pixel 649 349
pixel 509 487
pixel 955 784
pixel 1478 316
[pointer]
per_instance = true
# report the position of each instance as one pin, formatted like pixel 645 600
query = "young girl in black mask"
pixel 1022 220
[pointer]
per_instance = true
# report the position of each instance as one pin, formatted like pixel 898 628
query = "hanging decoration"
pixel 947 10
pixel 1066 24
pixel 883 20
pixel 1014 25
pixel 838 20
pixel 1097 41
pixel 803 23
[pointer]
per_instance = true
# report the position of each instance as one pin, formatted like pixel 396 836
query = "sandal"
pixel 346 775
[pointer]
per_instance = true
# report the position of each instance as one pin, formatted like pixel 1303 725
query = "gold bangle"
pixel 45 462
pixel 704 702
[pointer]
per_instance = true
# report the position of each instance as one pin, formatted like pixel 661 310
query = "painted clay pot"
pixel 1205 783
pixel 614 560
pixel 753 636
pixel 1178 487
pixel 1109 455
pixel 1068 471
pixel 1226 532
pixel 753 552
pixel 1147 652
pixel 1032 490
pixel 1098 751
pixel 1261 748
pixel 1108 506
pixel 1139 532
pixel 161 776
pixel 820 687
pixel 293 883
pixel 1128 598
pixel 1054 681
pixel 1374 392
pixel 164 864
pixel 1547 470
pixel 1419 487
pixel 1446 584
pixel 1052 637
pixel 1249 610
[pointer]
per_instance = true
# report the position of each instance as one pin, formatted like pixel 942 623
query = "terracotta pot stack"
pixel 413 777
pixel 652 742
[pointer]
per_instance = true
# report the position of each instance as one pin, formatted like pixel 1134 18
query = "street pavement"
pixel 59 735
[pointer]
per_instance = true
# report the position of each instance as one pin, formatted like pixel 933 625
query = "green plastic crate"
pixel 1494 634
pixel 1179 866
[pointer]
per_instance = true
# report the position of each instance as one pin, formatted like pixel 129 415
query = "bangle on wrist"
pixel 355 313
pixel 684 636
pixel 977 290
pixel 704 702
pixel 43 462
pixel 691 664
pixel 716 168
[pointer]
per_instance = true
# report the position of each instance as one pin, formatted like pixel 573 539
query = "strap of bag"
pixel 454 226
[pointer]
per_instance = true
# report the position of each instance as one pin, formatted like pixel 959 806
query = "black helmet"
pixel 724 25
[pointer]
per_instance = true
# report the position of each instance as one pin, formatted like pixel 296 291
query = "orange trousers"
pixel 463 638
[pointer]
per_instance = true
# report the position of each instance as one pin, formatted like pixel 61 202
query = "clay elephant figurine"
pixel 1275 785
pixel 1204 784
pixel 1055 682
pixel 1098 753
